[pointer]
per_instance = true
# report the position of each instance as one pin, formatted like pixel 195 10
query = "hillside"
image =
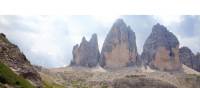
pixel 14 59
pixel 9 79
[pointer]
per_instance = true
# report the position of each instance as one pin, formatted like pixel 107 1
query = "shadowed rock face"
pixel 119 48
pixel 188 58
pixel 15 59
pixel 161 50
pixel 87 54
pixel 197 66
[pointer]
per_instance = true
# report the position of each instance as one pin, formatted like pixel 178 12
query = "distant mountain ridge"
pixel 188 58
pixel 160 51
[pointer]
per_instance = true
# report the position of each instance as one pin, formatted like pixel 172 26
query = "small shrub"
pixel 104 85
pixel 2 80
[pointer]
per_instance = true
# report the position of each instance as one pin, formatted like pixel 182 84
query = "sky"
pixel 48 40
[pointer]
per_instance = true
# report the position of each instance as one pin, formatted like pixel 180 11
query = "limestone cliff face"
pixel 188 58
pixel 197 61
pixel 16 60
pixel 161 50
pixel 87 54
pixel 119 48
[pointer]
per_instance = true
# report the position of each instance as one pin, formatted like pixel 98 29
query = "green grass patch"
pixel 79 84
pixel 7 76
pixel 51 85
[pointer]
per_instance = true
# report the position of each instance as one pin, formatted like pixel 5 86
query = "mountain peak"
pixel 198 53
pixel 119 20
pixel 2 35
pixel 84 39
pixel 94 36
pixel 184 48
pixel 119 24
pixel 119 48
pixel 158 28
pixel 160 50
pixel 87 54
pixel 94 39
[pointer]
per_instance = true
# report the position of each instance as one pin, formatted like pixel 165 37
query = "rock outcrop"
pixel 119 48
pixel 197 66
pixel 188 58
pixel 161 50
pixel 141 82
pixel 11 56
pixel 87 54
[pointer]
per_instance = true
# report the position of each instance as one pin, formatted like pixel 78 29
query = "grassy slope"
pixel 48 81
pixel 7 76
pixel 51 85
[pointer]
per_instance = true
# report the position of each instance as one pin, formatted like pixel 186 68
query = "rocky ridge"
pixel 188 58
pixel 11 56
pixel 87 54
pixel 161 50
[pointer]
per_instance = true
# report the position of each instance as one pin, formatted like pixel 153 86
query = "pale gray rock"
pixel 197 61
pixel 188 58
pixel 119 48
pixel 87 54
pixel 161 50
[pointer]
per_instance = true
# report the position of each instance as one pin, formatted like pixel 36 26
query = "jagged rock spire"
pixel 87 54
pixel 188 58
pixel 119 48
pixel 161 50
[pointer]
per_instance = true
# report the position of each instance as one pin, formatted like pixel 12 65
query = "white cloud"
pixel 168 19
pixel 106 19
pixel 44 36
pixel 191 42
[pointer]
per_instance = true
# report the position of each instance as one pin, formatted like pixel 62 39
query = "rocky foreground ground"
pixel 79 77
